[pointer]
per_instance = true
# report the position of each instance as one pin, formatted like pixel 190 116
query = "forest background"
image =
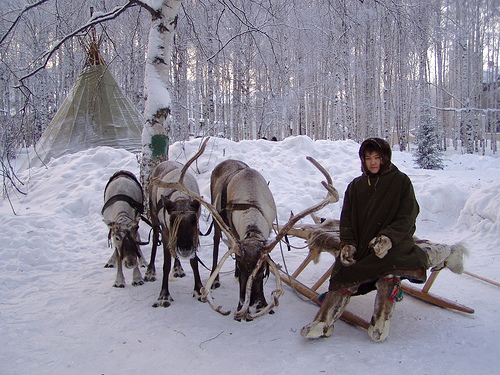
pixel 329 69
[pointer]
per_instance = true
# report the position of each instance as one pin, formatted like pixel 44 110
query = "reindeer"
pixel 175 215
pixel 242 197
pixel 249 211
pixel 121 213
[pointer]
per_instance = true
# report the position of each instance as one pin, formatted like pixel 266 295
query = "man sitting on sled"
pixel 377 247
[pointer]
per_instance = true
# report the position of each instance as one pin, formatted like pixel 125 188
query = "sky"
pixel 60 314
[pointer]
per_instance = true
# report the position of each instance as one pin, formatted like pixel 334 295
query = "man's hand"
pixel 380 245
pixel 347 255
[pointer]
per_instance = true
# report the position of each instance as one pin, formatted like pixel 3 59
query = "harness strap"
pixel 125 198
pixel 122 173
pixel 230 207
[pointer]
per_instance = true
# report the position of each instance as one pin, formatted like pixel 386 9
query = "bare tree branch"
pixel 26 8
pixel 95 20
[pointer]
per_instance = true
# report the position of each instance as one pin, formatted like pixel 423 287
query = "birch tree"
pixel 155 134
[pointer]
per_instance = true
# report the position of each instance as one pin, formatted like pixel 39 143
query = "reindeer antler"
pixel 331 197
pixel 275 294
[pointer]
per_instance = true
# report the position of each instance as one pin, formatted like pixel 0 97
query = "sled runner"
pixel 424 295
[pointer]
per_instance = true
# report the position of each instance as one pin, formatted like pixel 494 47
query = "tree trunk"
pixel 156 131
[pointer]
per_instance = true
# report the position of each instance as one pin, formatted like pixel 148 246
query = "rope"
pixel 297 293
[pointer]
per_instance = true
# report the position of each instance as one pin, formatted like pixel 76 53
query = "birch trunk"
pixel 155 134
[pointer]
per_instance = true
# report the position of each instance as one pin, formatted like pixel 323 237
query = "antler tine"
pixel 190 161
pixel 321 169
pixel 205 290
pixel 331 197
pixel 275 294
pixel 243 310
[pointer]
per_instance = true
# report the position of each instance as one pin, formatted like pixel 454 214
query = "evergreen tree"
pixel 428 154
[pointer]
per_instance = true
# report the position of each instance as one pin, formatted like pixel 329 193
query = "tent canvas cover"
pixel 95 113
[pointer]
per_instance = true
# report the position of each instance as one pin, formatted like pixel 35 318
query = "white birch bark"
pixel 158 104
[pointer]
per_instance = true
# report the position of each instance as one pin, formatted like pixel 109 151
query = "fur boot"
pixel 332 307
pixel 384 308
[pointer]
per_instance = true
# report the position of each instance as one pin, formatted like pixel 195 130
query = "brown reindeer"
pixel 175 215
pixel 240 221
pixel 243 199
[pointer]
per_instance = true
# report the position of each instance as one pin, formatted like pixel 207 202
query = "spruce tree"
pixel 428 154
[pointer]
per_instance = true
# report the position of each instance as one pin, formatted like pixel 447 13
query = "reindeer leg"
pixel 197 279
pixel 243 291
pixel 151 271
pixel 164 299
pixel 217 236
pixel 111 263
pixel 120 279
pixel 142 260
pixel 384 308
pixel 137 277
pixel 178 271
pixel 332 307
pixel 258 298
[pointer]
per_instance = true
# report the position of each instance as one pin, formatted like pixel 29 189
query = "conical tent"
pixel 95 113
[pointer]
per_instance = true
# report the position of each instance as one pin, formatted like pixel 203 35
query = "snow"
pixel 60 314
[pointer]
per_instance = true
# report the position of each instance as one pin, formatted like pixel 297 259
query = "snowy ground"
pixel 59 313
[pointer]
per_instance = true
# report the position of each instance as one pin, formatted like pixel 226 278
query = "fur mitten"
pixel 380 245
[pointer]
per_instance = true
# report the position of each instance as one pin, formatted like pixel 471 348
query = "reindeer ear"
pixel 168 204
pixel 195 205
pixel 236 246
pixel 132 225
pixel 237 249
pixel 109 223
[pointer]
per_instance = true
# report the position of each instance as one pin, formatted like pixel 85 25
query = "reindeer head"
pixel 123 233
pixel 182 221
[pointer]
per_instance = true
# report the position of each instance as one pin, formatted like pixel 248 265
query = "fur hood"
pixel 384 150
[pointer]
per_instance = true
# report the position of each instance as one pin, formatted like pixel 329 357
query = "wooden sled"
pixel 311 292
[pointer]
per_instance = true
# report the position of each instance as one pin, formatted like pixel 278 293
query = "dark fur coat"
pixel 382 204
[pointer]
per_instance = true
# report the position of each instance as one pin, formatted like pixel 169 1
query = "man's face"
pixel 373 162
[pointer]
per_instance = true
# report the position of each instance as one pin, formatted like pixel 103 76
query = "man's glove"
pixel 380 245
pixel 347 255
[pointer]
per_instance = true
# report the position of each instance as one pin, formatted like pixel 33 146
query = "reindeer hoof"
pixel 119 285
pixel 179 273
pixel 197 294
pixel 150 276
pixel 316 330
pixel 216 284
pixel 163 302
pixel 109 265
pixel 138 282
